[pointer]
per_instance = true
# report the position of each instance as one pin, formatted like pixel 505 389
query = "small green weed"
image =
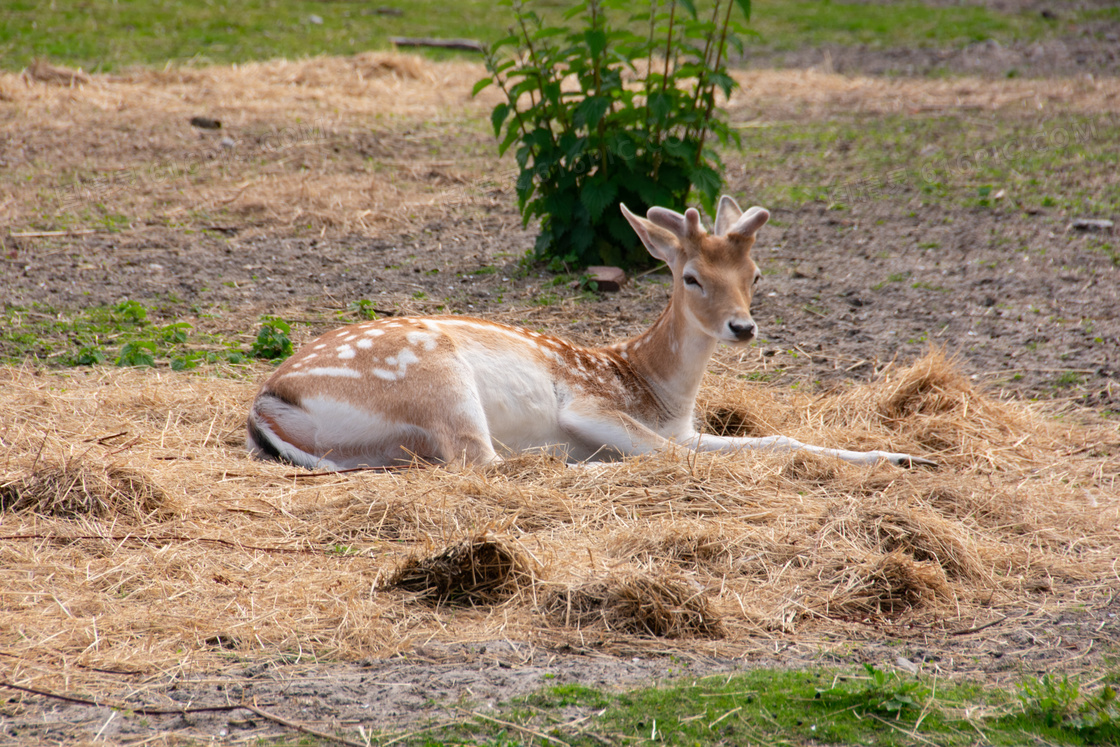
pixel 363 308
pixel 274 342
pixel 137 353
pixel 1061 707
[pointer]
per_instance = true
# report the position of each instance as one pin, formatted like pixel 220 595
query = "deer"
pixel 402 391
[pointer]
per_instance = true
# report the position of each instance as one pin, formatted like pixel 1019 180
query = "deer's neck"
pixel 672 357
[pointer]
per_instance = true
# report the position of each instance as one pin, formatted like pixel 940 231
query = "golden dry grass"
pixel 138 536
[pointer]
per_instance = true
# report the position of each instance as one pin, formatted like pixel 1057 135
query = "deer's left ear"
pixel 747 225
pixel 662 243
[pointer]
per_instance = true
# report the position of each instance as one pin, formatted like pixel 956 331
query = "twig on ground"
pixel 300 727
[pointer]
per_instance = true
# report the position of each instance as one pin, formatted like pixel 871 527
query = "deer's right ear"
pixel 660 242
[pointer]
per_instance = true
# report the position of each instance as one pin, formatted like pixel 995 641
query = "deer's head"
pixel 713 273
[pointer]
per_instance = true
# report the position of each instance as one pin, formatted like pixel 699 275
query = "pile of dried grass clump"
pixel 888 527
pixel 76 488
pixel 709 547
pixel 476 571
pixel 642 604
pixel 884 586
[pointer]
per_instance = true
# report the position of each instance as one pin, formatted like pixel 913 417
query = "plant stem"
pixel 711 92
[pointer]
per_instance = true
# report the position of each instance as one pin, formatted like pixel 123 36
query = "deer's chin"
pixel 735 342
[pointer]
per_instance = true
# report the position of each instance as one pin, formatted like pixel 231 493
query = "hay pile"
pixel 136 536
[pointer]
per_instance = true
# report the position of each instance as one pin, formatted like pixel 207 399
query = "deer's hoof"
pixel 910 462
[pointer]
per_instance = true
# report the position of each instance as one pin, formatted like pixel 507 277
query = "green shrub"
pixel 639 129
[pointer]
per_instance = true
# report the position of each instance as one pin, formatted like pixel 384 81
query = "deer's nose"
pixel 742 330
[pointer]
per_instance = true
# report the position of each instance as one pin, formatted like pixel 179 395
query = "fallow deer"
pixel 442 389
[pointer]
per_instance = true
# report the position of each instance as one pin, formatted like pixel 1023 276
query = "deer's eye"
pixel 691 280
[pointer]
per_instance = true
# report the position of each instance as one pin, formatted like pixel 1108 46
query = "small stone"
pixel 205 123
pixel 904 663
pixel 317 20
pixel 607 279
pixel 1091 224
pixel 228 143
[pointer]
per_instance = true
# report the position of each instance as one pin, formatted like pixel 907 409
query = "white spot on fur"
pixel 345 352
pixel 401 361
pixel 320 346
pixel 365 343
pixel 625 355
pixel 416 337
pixel 375 332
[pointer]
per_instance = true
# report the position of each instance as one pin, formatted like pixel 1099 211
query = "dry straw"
pixel 137 536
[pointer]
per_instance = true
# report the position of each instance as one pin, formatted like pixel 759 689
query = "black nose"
pixel 742 330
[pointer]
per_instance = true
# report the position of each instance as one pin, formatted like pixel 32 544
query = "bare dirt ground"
pixel 362 203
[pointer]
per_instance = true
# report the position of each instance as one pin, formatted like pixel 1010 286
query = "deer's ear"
pixel 749 222
pixel 660 240
pixel 726 215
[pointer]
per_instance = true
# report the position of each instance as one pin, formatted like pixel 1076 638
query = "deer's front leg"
pixel 709 442
pixel 604 434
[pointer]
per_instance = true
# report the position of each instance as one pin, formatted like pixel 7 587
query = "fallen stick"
pixel 301 727
pixel 40 234
pixel 467 45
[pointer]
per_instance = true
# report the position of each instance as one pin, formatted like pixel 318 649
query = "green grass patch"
pixel 866 707
pixel 123 335
pixel 799 23
pixel 104 35
pixel 1066 163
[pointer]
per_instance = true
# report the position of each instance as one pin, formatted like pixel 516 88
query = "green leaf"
pixel 660 105
pixel 590 111
pixel 725 82
pixel 596 195
pixel 498 117
pixel 745 6
pixel 481 85
pixel 706 180
pixel 596 41
pixel 689 6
